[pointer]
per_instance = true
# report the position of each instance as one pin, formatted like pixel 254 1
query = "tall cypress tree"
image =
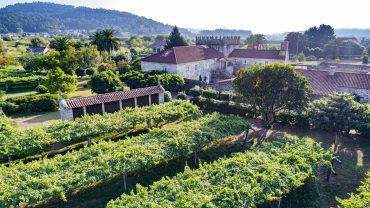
pixel 175 39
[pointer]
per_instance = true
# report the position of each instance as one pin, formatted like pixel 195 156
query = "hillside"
pixel 49 17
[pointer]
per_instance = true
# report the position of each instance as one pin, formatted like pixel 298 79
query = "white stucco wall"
pixel 191 70
pixel 148 66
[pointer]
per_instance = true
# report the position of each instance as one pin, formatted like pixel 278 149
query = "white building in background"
pixel 211 56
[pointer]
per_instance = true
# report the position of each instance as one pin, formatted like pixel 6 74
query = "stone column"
pixel 120 104
pixel 103 107
pixel 135 101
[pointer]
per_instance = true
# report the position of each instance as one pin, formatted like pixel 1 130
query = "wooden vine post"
pixel 335 150
pixel 124 177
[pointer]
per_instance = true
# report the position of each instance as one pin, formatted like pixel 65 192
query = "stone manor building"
pixel 211 56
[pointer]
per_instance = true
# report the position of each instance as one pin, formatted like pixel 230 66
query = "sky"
pixel 260 16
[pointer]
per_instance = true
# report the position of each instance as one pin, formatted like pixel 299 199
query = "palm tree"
pixel 251 42
pixel 105 40
pixel 260 41
pixel 60 43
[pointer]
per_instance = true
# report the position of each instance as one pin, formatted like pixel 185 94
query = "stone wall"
pixel 195 70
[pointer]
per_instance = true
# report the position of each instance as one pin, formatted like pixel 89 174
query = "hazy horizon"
pixel 277 17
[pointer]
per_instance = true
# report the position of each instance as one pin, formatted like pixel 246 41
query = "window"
pixel 196 67
pixel 266 62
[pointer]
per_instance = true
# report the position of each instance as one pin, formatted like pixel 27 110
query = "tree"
pixel 38 42
pixel 368 50
pixel 297 42
pixel 343 49
pixel 69 60
pixel 59 81
pixel 175 39
pixel 46 61
pixel 261 41
pixel 105 40
pixel 60 43
pixel 105 81
pixel 272 88
pixel 339 113
pixel 319 36
pixel 301 57
pixel 88 57
pixel 365 59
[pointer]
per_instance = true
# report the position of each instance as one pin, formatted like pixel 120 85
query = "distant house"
pixel 246 57
pixel 110 102
pixel 158 46
pixel 211 58
pixel 190 62
pixel 38 50
pixel 324 83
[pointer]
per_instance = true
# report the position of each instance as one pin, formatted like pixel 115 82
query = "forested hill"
pixel 47 17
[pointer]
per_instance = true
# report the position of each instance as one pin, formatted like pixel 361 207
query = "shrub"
pixel 293 118
pixel 226 96
pixel 181 96
pixel 224 107
pixel 167 96
pixel 195 91
pixel 30 104
pixel 42 89
pixel 90 71
pixel 106 81
pixel 80 72
pixel 210 93
pixel 105 67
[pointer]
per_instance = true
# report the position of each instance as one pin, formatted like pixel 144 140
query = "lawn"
pixel 42 119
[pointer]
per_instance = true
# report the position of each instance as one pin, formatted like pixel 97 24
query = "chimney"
pixel 332 70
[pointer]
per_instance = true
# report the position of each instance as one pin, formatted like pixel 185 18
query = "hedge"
pixel 30 104
pixel 225 107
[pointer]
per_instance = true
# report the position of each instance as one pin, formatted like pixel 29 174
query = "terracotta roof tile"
pixel 184 54
pixel 252 53
pixel 323 83
pixel 114 96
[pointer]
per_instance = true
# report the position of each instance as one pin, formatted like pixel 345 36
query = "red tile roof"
pixel 253 53
pixel 184 54
pixel 323 83
pixel 113 96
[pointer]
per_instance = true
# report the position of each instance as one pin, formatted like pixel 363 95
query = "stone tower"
pixel 224 45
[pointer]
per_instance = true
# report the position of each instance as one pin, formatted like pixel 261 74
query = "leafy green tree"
pixel 301 57
pixel 59 81
pixel 69 60
pixel 60 43
pixel 272 88
pixel 257 41
pixel 343 49
pixel 368 50
pixel 175 39
pixel 38 42
pixel 319 36
pixel 88 57
pixel 339 113
pixel 105 81
pixel 105 40
pixel 46 61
